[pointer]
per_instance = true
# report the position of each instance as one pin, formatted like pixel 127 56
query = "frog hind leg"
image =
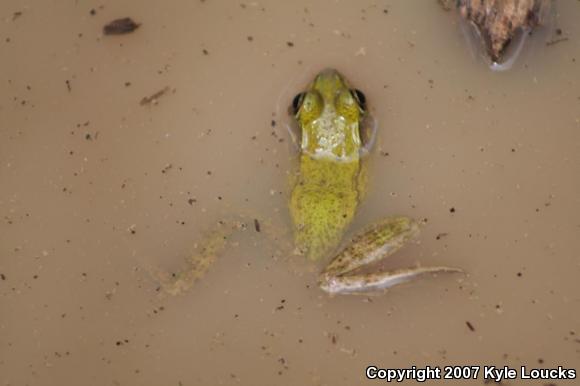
pixel 377 282
pixel 368 247
pixel 197 264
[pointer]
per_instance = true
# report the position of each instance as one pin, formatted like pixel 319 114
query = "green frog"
pixel 327 187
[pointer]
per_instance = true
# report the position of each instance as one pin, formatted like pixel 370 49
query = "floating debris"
pixel 120 26
pixel 558 38
pixel 501 27
pixel 152 99
pixel 446 4
pixel 469 325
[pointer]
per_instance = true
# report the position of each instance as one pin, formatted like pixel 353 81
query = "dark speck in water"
pixel 120 26
pixel 469 325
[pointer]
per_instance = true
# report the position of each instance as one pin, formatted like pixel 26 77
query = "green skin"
pixel 328 187
pixel 329 183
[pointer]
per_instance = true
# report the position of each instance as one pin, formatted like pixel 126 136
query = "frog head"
pixel 329 115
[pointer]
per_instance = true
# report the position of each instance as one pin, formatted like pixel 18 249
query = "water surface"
pixel 95 187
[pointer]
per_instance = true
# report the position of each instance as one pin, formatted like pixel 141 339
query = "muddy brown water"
pixel 95 187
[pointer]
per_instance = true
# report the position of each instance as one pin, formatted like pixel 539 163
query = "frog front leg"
pixel 370 246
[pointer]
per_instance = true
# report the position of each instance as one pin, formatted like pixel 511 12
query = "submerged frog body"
pixel 328 187
pixel 502 26
pixel 330 179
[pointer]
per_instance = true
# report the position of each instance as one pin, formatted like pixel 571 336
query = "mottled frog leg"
pixel 213 244
pixel 377 282
pixel 199 262
pixel 370 246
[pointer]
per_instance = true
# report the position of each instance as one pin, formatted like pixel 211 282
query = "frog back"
pixel 324 200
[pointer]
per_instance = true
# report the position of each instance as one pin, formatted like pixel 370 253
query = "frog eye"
pixel 296 102
pixel 360 98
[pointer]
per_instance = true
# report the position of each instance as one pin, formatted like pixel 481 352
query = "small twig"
pixel 556 41
pixel 152 99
